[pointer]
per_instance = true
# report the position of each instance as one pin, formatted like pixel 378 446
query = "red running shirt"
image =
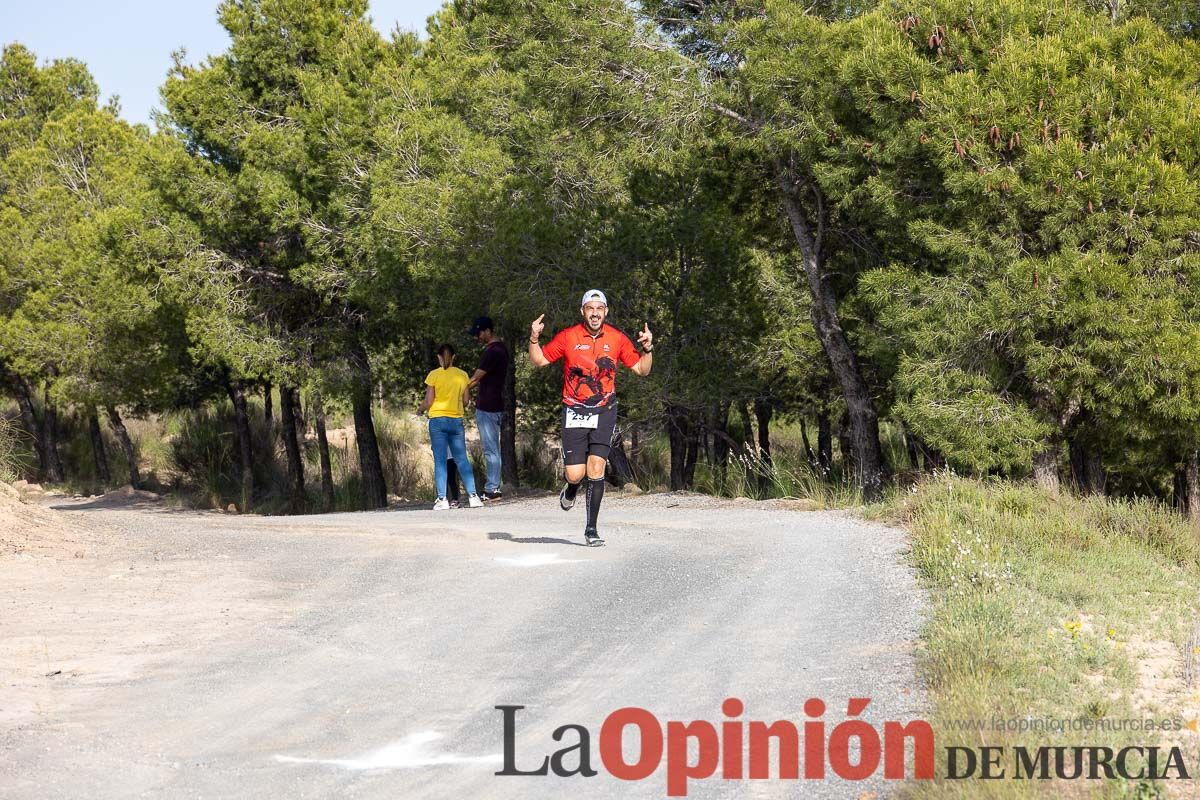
pixel 590 364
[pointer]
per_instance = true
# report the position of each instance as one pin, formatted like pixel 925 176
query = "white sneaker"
pixel 441 505
pixel 474 501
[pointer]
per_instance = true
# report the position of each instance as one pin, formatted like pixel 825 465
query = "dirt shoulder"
pixel 88 602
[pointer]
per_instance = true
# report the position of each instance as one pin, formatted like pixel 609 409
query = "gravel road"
pixel 177 654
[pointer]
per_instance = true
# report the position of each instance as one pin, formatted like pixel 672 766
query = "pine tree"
pixel 275 118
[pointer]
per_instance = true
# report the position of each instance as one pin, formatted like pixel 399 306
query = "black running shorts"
pixel 579 443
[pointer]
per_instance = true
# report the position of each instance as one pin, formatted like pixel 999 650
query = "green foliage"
pixel 960 413
pixel 82 285
pixel 699 282
pixel 1026 175
pixel 276 118
pixel 1005 200
pixel 531 117
pixel 30 95
pixel 80 311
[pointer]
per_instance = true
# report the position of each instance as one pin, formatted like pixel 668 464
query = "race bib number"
pixel 575 420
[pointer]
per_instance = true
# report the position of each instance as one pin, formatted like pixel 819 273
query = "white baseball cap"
pixel 593 294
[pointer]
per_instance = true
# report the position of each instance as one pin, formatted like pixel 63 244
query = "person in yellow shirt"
pixel 446 398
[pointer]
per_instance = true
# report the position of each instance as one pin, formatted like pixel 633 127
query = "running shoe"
pixel 592 537
pixel 496 495
pixel 565 502
pixel 474 501
pixel 441 505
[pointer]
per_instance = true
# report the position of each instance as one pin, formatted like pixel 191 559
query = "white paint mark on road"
pixel 411 751
pixel 538 560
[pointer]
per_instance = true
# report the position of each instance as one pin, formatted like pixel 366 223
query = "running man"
pixel 590 351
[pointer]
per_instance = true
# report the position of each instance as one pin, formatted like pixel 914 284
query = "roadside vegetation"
pixel 1052 606
pixel 10 450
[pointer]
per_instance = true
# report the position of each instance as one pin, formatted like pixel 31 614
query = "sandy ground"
pixel 148 652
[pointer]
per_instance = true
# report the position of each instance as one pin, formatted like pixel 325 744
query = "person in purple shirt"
pixel 489 403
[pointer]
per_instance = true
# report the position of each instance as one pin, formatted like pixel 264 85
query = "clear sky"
pixel 127 44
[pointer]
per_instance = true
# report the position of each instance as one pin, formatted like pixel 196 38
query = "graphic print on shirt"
pixel 605 370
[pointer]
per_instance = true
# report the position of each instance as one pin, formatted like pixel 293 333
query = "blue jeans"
pixel 449 432
pixel 489 435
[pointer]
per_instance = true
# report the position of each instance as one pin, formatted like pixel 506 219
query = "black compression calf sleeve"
pixel 595 493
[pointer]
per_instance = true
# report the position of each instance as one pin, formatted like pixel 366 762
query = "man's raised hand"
pixel 645 338
pixel 535 330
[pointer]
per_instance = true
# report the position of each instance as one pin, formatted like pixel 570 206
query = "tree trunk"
pixel 747 426
pixel 704 448
pixel 131 462
pixel 844 444
pixel 103 476
pixel 318 406
pixel 808 451
pixel 291 446
pixel 241 422
pixel 864 423
pixel 1045 463
pixel 29 420
pixel 762 415
pixel 763 411
pixel 374 486
pixel 824 441
pixel 508 427
pixel 1087 468
pixel 1045 467
pixel 677 436
pixel 1093 471
pixel 721 439
pixel 1193 486
pixel 54 467
pixel 268 412
pixel 620 471
pixel 1077 461
pixel 298 413
pixel 931 458
pixel 692 456
pixel 910 447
